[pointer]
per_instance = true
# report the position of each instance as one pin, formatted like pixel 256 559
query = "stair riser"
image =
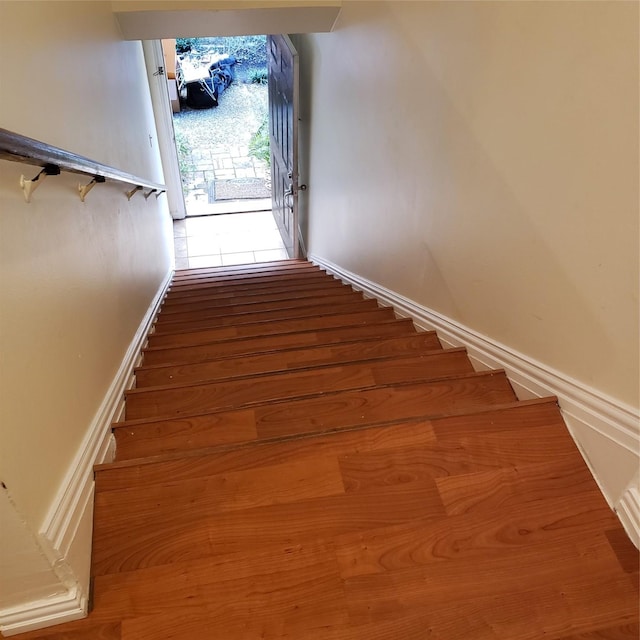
pixel 210 397
pixel 222 349
pixel 287 360
pixel 268 328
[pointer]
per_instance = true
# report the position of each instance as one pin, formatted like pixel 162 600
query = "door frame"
pixel 283 143
pixel 163 115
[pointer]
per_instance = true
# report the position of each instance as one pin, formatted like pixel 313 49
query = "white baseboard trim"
pixel 582 406
pixel 67 607
pixel 628 509
pixel 75 497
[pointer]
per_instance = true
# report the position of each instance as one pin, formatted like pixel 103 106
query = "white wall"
pixel 481 159
pixel 151 19
pixel 75 279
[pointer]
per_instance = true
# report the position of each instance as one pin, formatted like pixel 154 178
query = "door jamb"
pixel 161 104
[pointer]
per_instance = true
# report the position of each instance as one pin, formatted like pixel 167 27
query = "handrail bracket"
pixel 29 186
pixel 84 189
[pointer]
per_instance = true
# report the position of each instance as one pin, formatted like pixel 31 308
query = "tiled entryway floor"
pixel 222 240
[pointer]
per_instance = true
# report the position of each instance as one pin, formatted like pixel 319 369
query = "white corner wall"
pixel 480 159
pixel 77 282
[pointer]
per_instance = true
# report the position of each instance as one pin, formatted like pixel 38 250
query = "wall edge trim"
pixel 628 510
pixel 75 496
pixel 609 417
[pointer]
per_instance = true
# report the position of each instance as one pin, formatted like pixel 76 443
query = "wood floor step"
pixel 250 275
pixel 269 328
pixel 256 576
pixel 287 291
pixel 210 396
pixel 536 462
pixel 229 306
pixel 204 320
pixel 415 434
pixel 243 283
pixel 368 460
pixel 318 414
pixel 288 359
pixel 289 262
pixel 204 272
pixel 264 344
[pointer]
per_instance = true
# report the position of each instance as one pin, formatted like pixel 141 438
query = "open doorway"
pixel 220 116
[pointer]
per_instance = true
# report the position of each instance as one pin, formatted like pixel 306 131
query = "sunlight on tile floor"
pixel 221 240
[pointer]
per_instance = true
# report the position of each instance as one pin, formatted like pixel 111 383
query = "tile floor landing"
pixel 222 240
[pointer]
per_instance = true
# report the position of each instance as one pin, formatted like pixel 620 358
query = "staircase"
pixel 297 462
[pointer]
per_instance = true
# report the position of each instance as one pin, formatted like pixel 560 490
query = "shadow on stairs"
pixel 297 462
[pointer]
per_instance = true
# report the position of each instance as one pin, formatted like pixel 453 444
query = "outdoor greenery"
pixel 186 44
pixel 185 161
pixel 250 50
pixel 259 144
pixel 258 76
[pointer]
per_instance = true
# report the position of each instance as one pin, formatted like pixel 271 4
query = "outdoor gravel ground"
pixel 239 114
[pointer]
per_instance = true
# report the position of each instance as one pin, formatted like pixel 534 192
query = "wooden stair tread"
pixel 243 283
pixel 271 264
pixel 260 268
pixel 384 367
pixel 235 482
pixel 287 359
pixel 416 432
pixel 212 321
pixel 264 328
pixel 228 306
pixel 207 350
pixel 316 414
pixel 300 473
pixel 241 391
pixel 285 291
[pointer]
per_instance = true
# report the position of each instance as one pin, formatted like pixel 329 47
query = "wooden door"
pixel 283 118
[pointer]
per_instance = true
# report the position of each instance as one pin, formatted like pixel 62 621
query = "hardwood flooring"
pixel 298 463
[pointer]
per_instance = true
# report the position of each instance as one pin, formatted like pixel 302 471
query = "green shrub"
pixel 249 50
pixel 258 76
pixel 184 157
pixel 185 44
pixel 259 145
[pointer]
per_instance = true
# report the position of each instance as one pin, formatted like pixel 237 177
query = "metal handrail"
pixel 53 160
